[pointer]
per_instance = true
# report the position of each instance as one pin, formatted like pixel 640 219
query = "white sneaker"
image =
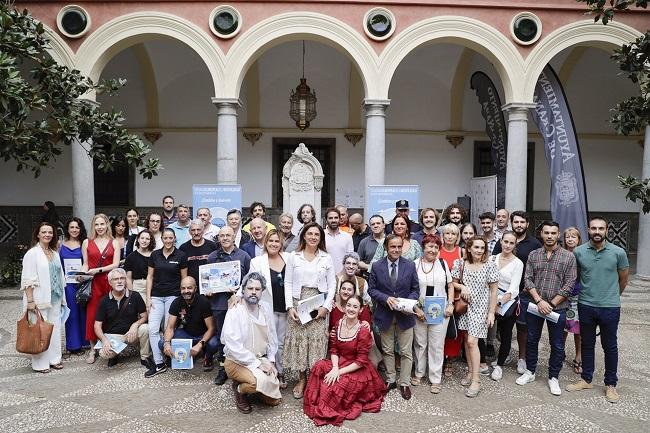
pixel 554 386
pixel 497 373
pixel 525 378
pixel 521 366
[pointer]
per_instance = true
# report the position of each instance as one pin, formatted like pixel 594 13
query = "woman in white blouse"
pixel 429 341
pixel 309 272
pixel 510 272
pixel 42 283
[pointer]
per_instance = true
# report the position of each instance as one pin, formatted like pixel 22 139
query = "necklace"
pixel 350 328
pixel 47 252
pixel 422 267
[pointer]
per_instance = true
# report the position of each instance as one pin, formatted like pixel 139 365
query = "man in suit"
pixel 255 247
pixel 391 278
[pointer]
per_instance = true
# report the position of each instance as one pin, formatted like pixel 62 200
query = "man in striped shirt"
pixel 549 278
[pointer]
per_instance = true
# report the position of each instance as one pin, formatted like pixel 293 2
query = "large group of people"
pixel 365 330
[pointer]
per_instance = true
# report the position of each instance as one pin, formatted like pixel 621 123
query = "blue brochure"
pixel 434 309
pixel 181 356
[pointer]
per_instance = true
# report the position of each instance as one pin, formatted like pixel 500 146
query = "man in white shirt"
pixel 250 344
pixel 338 243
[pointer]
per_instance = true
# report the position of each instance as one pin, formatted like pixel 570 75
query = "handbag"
pixel 452 328
pixel 460 305
pixel 33 338
pixel 85 291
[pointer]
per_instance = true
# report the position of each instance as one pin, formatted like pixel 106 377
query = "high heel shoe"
pixel 473 391
pixel 467 380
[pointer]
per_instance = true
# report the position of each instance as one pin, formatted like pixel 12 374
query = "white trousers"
pixel 429 348
pixel 52 355
pixel 281 331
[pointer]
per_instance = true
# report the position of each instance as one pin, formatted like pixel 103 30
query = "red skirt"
pixel 100 289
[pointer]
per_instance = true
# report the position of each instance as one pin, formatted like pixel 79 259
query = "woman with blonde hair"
pixel 101 254
pixel 571 239
pixel 450 251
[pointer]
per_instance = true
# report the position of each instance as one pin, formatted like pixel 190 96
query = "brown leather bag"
pixel 33 338
pixel 460 305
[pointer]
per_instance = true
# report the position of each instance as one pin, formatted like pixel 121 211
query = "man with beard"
pixel 233 219
pixel 455 214
pixel 519 220
pixel 210 231
pixel 197 249
pixel 257 210
pixel 219 301
pixel 250 343
pixel 168 212
pixel 501 223
pixel 255 247
pixel 286 227
pixel 604 272
pixel 428 221
pixel 368 246
pixel 122 314
pixel 190 318
pixel 359 228
pixel 549 279
pixel 337 242
pixel 487 227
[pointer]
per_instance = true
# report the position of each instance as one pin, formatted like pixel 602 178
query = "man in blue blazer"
pixel 255 247
pixel 395 277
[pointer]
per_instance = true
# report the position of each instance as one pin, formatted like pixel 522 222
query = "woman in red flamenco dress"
pixel 348 384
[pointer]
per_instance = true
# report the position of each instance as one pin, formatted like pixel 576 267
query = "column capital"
pixel 376 107
pixel 517 106
pixel 229 102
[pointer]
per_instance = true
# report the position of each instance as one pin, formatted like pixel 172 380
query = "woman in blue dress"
pixel 70 252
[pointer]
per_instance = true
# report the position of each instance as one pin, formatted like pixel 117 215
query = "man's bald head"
pixel 258 229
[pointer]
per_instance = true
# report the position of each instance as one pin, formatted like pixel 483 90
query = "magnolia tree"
pixel 633 114
pixel 42 105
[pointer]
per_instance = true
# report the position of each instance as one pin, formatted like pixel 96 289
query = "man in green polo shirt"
pixel 604 271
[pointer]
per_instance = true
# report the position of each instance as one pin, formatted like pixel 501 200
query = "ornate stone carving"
pixel 302 181
pixel 455 140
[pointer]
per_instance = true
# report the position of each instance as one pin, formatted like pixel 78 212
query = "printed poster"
pixel 218 198
pixel 219 277
pixel 382 198
pixel 181 354
pixel 434 309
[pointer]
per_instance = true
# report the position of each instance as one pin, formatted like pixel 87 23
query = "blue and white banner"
pixel 553 118
pixel 382 198
pixel 495 127
pixel 218 198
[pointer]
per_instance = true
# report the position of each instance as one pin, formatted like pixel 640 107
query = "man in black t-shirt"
pixel 190 317
pixel 197 249
pixel 122 315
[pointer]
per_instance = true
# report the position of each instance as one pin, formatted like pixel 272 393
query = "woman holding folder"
pixel 309 272
pixel 510 272
pixel 429 339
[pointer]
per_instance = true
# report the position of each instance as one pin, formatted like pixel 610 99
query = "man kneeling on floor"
pixel 122 315
pixel 190 317
pixel 250 342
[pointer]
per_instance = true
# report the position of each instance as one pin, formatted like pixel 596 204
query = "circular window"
pixel 526 28
pixel 225 21
pixel 379 24
pixel 73 21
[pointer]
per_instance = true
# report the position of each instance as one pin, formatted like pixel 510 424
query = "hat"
pixel 402 204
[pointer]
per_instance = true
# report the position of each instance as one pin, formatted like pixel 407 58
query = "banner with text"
pixel 382 198
pixel 495 127
pixel 218 198
pixel 553 118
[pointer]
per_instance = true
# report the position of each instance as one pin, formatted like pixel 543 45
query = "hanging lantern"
pixel 303 100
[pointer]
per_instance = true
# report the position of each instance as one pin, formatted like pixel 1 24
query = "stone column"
pixel 643 249
pixel 226 139
pixel 516 172
pixel 375 167
pixel 83 178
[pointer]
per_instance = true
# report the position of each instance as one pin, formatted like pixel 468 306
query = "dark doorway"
pixel 114 188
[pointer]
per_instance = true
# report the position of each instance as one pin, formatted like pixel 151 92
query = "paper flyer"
pixel 219 277
pixel 306 306
pixel 552 316
pixel 71 265
pixel 406 305
pixel 117 345
pixel 434 309
pixel 181 354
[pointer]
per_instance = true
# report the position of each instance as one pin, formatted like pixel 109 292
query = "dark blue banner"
pixel 553 118
pixel 495 126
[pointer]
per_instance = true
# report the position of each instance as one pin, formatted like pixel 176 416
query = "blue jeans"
pixel 606 318
pixel 159 314
pixel 535 325
pixel 219 317
pixel 524 299
pixel 210 345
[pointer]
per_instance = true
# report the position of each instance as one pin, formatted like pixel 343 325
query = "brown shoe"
pixel 405 391
pixel 240 399
pixel 611 395
pixel 580 385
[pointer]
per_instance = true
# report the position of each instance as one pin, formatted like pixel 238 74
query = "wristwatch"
pixel 202 343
